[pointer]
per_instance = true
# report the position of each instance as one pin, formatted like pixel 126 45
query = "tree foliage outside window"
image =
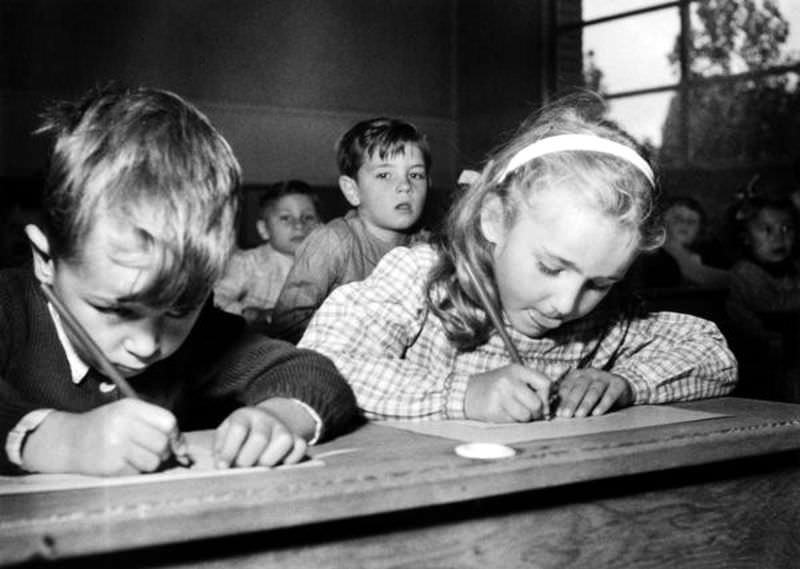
pixel 753 120
pixel 737 98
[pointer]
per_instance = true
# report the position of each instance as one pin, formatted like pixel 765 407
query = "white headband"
pixel 588 142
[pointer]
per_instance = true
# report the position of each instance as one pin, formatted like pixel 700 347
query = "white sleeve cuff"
pixel 317 420
pixel 15 440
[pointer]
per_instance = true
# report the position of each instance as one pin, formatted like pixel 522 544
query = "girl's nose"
pixel 565 300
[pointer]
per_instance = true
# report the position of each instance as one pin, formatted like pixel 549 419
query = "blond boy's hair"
pixel 150 159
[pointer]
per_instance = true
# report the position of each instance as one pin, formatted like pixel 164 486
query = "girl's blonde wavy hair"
pixel 615 186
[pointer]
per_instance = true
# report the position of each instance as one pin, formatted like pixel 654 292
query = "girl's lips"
pixel 542 321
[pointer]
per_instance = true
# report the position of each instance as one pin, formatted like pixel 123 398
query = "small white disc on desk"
pixel 485 451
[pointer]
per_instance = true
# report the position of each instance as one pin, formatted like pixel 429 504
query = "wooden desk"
pixel 718 493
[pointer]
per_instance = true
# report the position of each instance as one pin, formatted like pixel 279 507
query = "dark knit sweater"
pixel 220 366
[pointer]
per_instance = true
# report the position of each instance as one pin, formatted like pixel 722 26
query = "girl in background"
pixel 764 301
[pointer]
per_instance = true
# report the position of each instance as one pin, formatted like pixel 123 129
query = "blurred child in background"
pixel 384 168
pixel 764 301
pixel 678 262
pixel 287 213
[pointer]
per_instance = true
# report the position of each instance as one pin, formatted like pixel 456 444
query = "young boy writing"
pixel 139 205
pixel 383 165
pixel 254 277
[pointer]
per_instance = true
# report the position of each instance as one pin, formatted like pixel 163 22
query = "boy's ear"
pixel 263 232
pixel 493 219
pixel 43 266
pixel 349 188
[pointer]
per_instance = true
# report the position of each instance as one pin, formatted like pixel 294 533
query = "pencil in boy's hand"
pixel 552 400
pixel 177 441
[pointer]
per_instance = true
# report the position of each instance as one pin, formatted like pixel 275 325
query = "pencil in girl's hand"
pixel 552 401
pixel 177 441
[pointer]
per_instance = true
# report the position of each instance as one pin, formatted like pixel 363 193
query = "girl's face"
pixel 288 222
pixel 682 225
pixel 770 235
pixel 557 261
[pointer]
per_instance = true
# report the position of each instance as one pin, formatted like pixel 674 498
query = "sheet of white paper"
pixel 203 467
pixel 509 433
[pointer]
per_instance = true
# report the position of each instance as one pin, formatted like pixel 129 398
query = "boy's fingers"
pixel 158 417
pixel 141 459
pixel 280 445
pixel 228 447
pixel 252 448
pixel 298 452
pixel 151 439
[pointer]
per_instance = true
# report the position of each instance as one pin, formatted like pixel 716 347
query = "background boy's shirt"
pixel 219 368
pixel 334 254
pixel 254 278
pixel 394 352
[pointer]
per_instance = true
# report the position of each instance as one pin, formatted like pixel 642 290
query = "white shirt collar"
pixel 77 367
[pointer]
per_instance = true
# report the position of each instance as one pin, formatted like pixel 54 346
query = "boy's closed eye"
pixel 126 312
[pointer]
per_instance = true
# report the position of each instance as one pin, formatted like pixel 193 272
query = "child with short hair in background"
pixel 138 223
pixel 384 166
pixel 549 229
pixel 764 300
pixel 287 212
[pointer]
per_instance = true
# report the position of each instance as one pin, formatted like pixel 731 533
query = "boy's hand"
pixel 513 393
pixel 587 392
pixel 124 437
pixel 257 436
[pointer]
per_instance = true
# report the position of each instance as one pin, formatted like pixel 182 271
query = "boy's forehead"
pixel 399 150
pixel 116 241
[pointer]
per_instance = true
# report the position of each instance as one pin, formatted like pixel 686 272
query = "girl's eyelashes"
pixel 601 286
pixel 547 270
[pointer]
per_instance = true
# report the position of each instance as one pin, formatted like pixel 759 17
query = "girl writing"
pixel 551 226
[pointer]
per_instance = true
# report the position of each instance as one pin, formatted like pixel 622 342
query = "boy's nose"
pixel 144 341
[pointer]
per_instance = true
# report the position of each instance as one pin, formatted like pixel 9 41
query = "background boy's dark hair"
pixel 382 135
pixel 286 188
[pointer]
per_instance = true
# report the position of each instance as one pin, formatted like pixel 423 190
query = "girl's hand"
pixel 513 393
pixel 256 436
pixel 120 438
pixel 585 392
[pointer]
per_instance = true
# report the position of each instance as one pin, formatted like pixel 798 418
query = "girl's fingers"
pixel 606 402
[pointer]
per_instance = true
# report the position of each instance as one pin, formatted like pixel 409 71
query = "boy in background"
pixel 383 165
pixel 287 212
pixel 138 223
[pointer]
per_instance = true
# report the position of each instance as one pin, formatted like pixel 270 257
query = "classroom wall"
pixel 503 50
pixel 282 79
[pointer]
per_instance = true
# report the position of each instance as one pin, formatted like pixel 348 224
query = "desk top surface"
pixel 375 469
